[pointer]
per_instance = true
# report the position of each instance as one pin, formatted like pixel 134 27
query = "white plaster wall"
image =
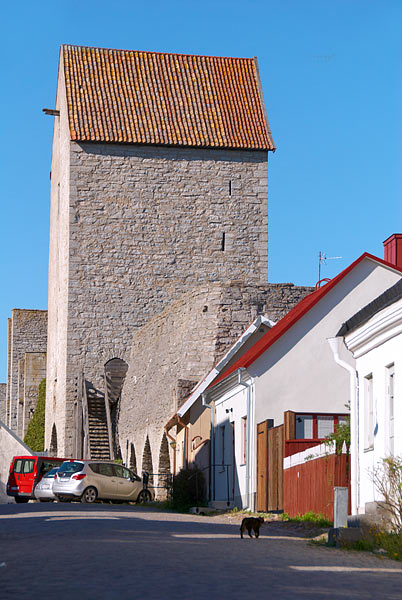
pixel 235 401
pixel 298 372
pixel 58 270
pixel 375 361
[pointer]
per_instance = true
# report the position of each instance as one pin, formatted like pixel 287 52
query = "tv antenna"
pixel 322 259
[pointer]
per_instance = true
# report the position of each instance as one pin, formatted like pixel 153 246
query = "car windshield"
pixel 70 467
pixel 50 474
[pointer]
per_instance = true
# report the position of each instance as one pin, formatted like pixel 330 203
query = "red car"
pixel 25 472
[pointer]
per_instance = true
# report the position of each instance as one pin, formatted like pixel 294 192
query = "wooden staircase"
pixel 98 436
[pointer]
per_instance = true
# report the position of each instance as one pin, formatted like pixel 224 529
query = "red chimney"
pixel 393 249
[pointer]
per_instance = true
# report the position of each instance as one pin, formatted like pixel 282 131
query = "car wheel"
pixel 89 496
pixel 21 499
pixel 144 496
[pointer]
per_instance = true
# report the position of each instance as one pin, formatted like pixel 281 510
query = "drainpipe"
pixel 212 448
pixel 335 345
pixel 250 502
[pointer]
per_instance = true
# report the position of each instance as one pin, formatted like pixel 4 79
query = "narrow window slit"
pixel 223 242
pixel 230 187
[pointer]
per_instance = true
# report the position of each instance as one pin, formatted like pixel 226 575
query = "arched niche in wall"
pixel 133 459
pixel 53 441
pixel 147 461
pixel 115 375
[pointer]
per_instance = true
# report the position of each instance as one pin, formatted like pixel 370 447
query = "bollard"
pixel 340 507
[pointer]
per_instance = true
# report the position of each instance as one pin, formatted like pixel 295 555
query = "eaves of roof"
pixel 209 378
pixel 387 298
pixel 294 315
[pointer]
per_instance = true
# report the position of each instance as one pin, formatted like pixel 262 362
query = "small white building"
pixel 291 368
pixel 374 338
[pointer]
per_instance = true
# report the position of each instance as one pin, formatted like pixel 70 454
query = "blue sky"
pixel 331 76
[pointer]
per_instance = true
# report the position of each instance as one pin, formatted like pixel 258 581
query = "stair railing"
pixel 78 440
pixel 85 422
pixel 108 420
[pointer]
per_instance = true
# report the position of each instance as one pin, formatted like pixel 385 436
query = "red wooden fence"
pixel 310 485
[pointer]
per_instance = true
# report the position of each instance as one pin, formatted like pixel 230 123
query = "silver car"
pixel 91 480
pixel 43 490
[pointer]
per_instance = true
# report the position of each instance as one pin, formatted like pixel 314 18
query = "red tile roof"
pixel 293 316
pixel 164 99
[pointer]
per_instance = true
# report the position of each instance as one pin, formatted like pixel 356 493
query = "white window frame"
pixel 368 412
pixel 391 408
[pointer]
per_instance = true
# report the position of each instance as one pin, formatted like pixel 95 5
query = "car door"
pixel 26 481
pixel 106 481
pixel 126 488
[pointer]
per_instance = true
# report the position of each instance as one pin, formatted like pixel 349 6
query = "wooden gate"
pixel 275 468
pixel 262 466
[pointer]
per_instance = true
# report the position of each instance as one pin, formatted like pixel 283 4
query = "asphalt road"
pixel 127 552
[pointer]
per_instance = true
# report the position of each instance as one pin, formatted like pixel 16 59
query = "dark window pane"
pixel 105 469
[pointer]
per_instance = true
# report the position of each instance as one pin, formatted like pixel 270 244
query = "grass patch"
pixel 309 518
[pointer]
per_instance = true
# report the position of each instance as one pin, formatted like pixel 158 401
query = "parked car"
pixel 43 490
pixel 94 480
pixel 26 472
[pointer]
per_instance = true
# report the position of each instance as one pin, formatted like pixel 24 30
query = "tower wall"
pixel 132 229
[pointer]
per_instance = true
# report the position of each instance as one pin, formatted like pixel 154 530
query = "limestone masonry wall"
pixel 182 344
pixel 146 224
pixel 27 333
pixel 34 372
pixel 3 388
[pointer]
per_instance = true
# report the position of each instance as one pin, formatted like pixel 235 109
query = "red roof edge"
pixel 295 315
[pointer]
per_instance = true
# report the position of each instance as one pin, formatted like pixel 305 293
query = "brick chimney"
pixel 393 249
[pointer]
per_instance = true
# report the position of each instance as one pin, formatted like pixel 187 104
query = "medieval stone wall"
pixel 146 224
pixel 27 333
pixel 182 344
pixel 3 388
pixel 34 372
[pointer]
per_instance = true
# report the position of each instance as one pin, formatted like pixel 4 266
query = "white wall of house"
pixel 298 372
pixel 377 348
pixel 233 448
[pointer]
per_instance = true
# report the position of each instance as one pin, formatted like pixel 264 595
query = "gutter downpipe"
pixel 248 447
pixel 212 447
pixel 335 345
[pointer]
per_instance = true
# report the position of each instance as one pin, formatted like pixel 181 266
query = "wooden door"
pixel 262 466
pixel 275 468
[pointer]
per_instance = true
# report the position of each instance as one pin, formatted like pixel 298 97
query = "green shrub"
pixel 35 435
pixel 188 488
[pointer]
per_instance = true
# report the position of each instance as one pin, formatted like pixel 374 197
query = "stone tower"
pixel 159 184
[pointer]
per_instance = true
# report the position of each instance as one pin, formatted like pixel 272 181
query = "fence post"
pixel 340 507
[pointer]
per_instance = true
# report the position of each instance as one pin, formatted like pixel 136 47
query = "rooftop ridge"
pixel 250 58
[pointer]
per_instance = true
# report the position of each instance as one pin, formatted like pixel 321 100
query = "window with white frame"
pixel 368 413
pixel 390 398
pixel 304 426
pixel 325 426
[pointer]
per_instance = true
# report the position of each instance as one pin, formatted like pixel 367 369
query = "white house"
pixel 291 368
pixel 374 338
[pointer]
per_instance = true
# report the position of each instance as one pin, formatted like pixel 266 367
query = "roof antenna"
pixel 322 258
